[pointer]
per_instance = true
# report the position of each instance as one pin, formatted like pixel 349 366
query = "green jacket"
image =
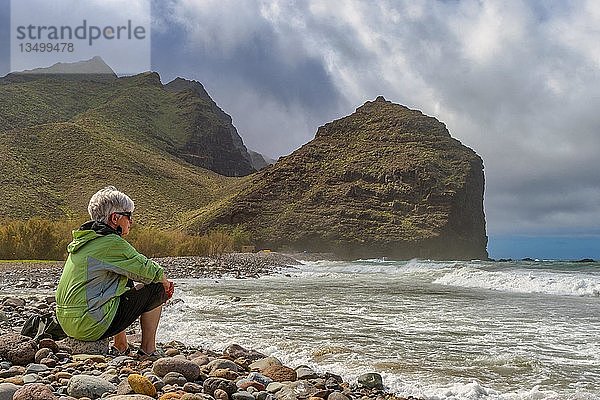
pixel 95 274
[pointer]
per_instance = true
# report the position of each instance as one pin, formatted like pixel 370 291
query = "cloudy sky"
pixel 517 81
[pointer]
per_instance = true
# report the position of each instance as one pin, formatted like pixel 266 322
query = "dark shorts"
pixel 134 303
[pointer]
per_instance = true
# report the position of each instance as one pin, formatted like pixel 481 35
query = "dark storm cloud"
pixel 277 101
pixel 517 81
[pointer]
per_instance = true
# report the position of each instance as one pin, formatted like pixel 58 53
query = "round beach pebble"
pixel 220 394
pixel 371 380
pixel 224 373
pixel 7 390
pixel 174 378
pixel 280 373
pixel 89 386
pixel 263 363
pixel 48 343
pixel 141 385
pixel 36 391
pixel 187 368
pixel 213 384
pixel 41 354
pixel 221 363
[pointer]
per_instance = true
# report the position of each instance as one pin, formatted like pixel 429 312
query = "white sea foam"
pixel 427 341
pixel 376 266
pixel 523 281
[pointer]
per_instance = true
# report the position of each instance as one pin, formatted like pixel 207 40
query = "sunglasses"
pixel 128 214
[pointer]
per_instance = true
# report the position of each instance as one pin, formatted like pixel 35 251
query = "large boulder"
pixel 18 349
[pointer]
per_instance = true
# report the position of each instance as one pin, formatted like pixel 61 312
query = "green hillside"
pixel 62 139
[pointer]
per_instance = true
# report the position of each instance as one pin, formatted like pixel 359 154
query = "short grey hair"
pixel 107 201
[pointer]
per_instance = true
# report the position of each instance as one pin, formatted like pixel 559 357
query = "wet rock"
pixel 264 396
pixel 243 395
pixel 304 372
pixel 30 378
pixel 41 354
pixel 37 391
pixel 131 397
pixel 221 363
pixel 14 302
pixel 48 343
pixel 322 393
pixel 201 360
pixel 274 387
pixel 174 378
pixel 337 396
pixel 220 394
pixel 12 371
pixel 225 374
pixel 236 351
pixel 260 378
pixel 286 393
pixel 141 385
pixel 36 368
pixel 89 386
pixel 280 373
pixel 212 384
pixel 187 368
pixel 120 360
pixel 49 362
pixel 263 363
pixel 7 390
pixel 172 396
pixel 192 387
pixel 371 380
pixel 244 384
pixel 172 352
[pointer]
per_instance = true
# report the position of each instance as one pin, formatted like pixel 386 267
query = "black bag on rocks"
pixel 43 326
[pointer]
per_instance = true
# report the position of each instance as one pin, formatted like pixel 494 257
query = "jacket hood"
pixel 87 232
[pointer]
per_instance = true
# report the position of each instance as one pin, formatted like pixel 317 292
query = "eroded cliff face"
pixel 384 181
pixel 211 141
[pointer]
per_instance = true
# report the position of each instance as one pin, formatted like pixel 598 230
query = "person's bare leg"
pixel 121 341
pixel 149 322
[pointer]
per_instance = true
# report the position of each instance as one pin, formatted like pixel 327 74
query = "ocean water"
pixel 436 330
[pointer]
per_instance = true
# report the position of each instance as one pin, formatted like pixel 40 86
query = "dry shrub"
pixel 42 239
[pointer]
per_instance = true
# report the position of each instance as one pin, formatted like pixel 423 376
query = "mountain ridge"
pixel 383 181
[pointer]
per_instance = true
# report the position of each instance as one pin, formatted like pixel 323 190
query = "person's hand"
pixel 169 287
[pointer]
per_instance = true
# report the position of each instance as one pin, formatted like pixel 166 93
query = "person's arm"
pixel 125 260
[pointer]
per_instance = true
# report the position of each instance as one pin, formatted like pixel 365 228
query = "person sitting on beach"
pixel 96 297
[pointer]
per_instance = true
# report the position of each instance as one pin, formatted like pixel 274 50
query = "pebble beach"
pixel 69 369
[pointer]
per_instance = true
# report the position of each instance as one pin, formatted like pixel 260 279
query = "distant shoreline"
pixel 44 275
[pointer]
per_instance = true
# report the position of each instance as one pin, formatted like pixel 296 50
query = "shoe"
pixel 155 355
pixel 113 351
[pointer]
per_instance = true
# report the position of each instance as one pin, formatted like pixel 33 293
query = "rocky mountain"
pixel 383 181
pixel 213 142
pixel 64 135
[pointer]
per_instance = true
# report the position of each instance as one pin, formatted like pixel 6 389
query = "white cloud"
pixel 518 81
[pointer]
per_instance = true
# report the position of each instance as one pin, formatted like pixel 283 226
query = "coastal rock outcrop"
pixel 383 181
